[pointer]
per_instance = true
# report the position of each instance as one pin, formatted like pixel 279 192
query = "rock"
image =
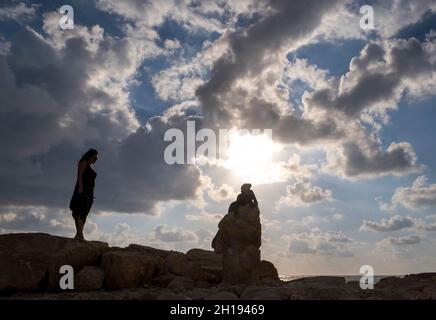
pixel 202 284
pixel 162 280
pixel 414 282
pixel 31 261
pixel 167 295
pixel 88 279
pixel 200 293
pixel 328 293
pixel 197 264
pixel 158 256
pixel 177 263
pixel 184 283
pixel 429 293
pixel 223 295
pixel 239 239
pixel 205 258
pixel 265 293
pixel 266 271
pixel 148 250
pixel 126 269
pixel 205 265
pixel 319 281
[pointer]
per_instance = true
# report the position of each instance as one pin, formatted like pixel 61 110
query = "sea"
pixel 348 278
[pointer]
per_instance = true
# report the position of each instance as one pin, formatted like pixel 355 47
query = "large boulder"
pixel 177 263
pixel 266 272
pixel 197 264
pixel 127 269
pixel 89 279
pixel 239 240
pixel 32 261
pixel 205 265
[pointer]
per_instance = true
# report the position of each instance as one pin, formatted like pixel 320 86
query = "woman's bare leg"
pixel 79 228
pixel 81 225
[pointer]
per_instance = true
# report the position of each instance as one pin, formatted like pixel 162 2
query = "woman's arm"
pixel 80 168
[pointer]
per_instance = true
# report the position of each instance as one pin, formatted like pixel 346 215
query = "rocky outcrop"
pixel 239 240
pixel 89 279
pixel 126 269
pixel 197 264
pixel 31 261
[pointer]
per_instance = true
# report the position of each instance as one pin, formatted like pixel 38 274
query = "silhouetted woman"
pixel 83 196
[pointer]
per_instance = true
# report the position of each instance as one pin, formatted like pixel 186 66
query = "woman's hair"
pixel 90 153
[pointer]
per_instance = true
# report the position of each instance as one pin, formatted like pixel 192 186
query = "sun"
pixel 250 157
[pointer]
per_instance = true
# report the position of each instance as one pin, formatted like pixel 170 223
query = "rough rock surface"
pixel 30 270
pixel 126 269
pixel 239 240
pixel 89 279
pixel 31 261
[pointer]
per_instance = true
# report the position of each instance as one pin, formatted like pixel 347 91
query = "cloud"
pixel 384 73
pixel 397 223
pixel 180 81
pixel 338 216
pixel 399 241
pixel 20 12
pixel 49 120
pixel 122 236
pixel 420 195
pixel 378 77
pixel 393 224
pixel 212 218
pixel 316 242
pixel 394 15
pixel 302 193
pixel 191 16
pixel 217 194
pixel 398 159
pixel 250 51
pixel 245 91
pixel 173 234
pixel 36 218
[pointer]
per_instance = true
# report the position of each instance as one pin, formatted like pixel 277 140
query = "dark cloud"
pixel 377 76
pixel 53 108
pixel 398 159
pixel 250 50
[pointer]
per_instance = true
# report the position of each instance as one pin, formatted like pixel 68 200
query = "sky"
pixel 348 178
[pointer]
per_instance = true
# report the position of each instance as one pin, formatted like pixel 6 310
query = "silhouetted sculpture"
pixel 245 197
pixel 83 196
pixel 239 239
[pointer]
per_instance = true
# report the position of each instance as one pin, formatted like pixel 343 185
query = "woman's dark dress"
pixel 81 203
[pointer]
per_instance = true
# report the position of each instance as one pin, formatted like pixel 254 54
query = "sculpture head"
pixel 245 187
